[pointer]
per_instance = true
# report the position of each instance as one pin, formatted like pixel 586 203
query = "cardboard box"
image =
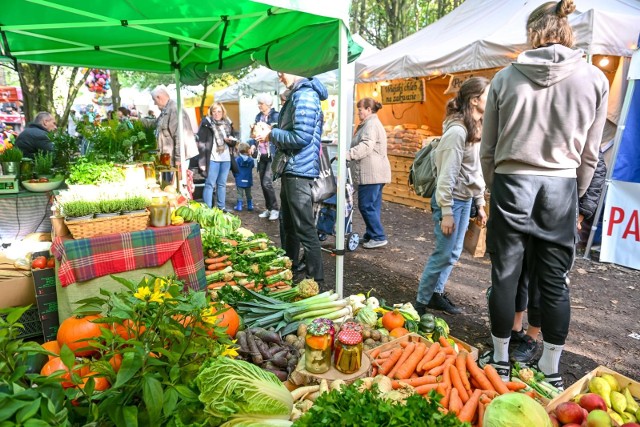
pixel 473 351
pixel 582 385
pixel 475 240
pixel 17 291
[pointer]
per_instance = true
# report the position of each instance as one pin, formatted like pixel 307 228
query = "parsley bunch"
pixel 352 407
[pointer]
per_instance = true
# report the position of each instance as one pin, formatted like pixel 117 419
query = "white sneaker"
pixel 265 214
pixel 372 244
pixel 274 215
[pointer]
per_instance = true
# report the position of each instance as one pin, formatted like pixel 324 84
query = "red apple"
pixel 572 425
pixel 630 425
pixel 554 420
pixel 591 401
pixel 569 412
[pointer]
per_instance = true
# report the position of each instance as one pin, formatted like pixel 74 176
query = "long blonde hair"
pixel 548 23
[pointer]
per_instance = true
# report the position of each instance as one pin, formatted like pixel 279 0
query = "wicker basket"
pixel 85 228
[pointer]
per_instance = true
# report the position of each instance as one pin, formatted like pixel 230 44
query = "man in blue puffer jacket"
pixel 298 137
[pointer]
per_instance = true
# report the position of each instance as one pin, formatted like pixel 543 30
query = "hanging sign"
pixel 456 80
pixel 621 225
pixel 404 91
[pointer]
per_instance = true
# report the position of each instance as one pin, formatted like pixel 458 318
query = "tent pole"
pixel 183 170
pixel 616 146
pixel 344 140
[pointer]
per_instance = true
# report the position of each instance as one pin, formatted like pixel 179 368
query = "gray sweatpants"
pixel 537 213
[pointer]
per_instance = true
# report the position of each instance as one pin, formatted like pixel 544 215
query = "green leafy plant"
pixel 116 141
pixel 85 171
pixel 11 155
pixel 110 205
pixel 43 163
pixel 135 203
pixel 78 208
pixel 66 148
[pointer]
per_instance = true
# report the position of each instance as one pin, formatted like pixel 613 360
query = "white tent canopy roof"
pixel 264 80
pixel 483 34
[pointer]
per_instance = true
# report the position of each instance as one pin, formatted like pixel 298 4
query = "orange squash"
pixel 398 332
pixel 229 319
pixel 128 329
pixel 53 347
pixel 116 362
pixel 101 383
pixel 392 319
pixel 76 328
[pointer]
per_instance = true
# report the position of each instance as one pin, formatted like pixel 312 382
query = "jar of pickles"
pixel 317 348
pixel 330 324
pixel 347 357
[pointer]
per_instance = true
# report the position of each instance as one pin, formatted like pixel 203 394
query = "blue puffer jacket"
pixel 300 127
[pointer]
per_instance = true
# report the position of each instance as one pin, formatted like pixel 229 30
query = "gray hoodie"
pixel 544 116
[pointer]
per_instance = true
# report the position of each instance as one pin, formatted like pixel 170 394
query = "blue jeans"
pixel 218 172
pixel 370 205
pixel 447 250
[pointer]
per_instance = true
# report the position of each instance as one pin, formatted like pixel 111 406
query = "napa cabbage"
pixel 237 389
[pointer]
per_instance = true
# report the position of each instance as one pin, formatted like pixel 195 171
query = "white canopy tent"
pixel 482 34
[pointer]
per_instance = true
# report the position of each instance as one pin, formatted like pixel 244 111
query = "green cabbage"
pixel 236 389
pixel 515 410
pixel 367 316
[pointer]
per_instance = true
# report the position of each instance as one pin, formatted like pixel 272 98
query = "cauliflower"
pixel 356 302
pixel 526 375
pixel 372 302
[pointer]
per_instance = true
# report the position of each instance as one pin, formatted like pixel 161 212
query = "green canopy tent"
pixel 190 39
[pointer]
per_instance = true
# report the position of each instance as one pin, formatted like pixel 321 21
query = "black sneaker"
pixel 518 337
pixel 553 379
pixel 443 303
pixel 525 351
pixel 420 308
pixel 502 368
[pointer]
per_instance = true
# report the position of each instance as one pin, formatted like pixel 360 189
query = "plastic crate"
pixel 30 319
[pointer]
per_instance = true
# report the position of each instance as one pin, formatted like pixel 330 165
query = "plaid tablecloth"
pixel 85 259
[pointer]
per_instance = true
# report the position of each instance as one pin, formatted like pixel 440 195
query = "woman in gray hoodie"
pixel 542 129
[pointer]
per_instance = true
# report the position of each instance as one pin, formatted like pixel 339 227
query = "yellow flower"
pixel 230 351
pixel 157 297
pixel 143 293
pixel 209 315
pixel 158 285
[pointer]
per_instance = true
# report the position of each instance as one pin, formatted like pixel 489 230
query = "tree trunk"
pixel 37 89
pixel 74 87
pixel 115 90
pixel 204 95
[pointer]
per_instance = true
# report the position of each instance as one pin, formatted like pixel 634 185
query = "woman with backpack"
pixel 459 184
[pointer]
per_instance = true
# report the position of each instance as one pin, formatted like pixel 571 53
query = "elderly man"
pixel 35 137
pixel 298 137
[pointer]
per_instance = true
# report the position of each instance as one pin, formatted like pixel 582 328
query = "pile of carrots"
pixel 466 388
pixel 216 263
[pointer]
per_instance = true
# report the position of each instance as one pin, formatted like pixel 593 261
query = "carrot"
pixel 456 382
pixel 438 370
pixel 443 342
pixel 429 355
pixel 390 362
pixel 276 284
pixel 216 260
pixel 446 394
pixel 216 285
pixel 470 407
pixel 380 361
pixel 411 362
pixel 478 375
pixel 272 272
pixel 495 379
pixel 409 349
pixel 532 394
pixel 480 414
pixel 485 399
pixel 230 242
pixel 446 374
pixel 414 382
pixel 491 394
pixel 374 371
pixel 461 366
pixel 414 375
pixel 374 353
pixel 405 344
pixel 515 386
pixel 219 265
pixel 474 383
pixel 449 350
pixel 426 388
pixel 455 404
pixel 436 361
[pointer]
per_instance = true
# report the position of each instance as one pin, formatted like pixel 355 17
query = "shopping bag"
pixel 325 185
pixel 475 239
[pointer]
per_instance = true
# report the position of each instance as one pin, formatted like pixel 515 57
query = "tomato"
pixel 33 180
pixel 51 263
pixel 43 180
pixel 39 262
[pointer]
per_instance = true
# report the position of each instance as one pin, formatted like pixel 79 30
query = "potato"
pixel 370 342
pixel 376 335
pixel 302 330
pixel 384 339
pixel 299 344
pixel 291 339
pixel 366 334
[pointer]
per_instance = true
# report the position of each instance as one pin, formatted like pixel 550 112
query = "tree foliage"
pixel 384 22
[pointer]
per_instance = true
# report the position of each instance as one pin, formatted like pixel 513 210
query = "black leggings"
pixel 537 213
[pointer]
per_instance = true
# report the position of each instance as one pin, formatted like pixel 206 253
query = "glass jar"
pixel 331 325
pixel 149 171
pixel 165 159
pixel 26 168
pixel 160 212
pixel 317 349
pixel 348 354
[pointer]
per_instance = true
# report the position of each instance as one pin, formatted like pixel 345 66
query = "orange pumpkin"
pixel 128 329
pixel 398 332
pixel 116 362
pixel 56 364
pixel 76 328
pixel 101 383
pixel 392 319
pixel 53 347
pixel 229 319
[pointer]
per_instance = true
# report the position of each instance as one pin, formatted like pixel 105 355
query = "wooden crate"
pixel 301 376
pixel 581 386
pixel 398 191
pixel 473 351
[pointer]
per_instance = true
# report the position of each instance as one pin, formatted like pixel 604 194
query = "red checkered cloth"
pixel 85 259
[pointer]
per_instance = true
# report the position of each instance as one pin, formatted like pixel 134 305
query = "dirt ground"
pixel 605 298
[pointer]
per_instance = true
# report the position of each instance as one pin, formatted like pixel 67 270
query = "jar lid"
pixel 324 321
pixel 318 329
pixel 351 325
pixel 349 337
